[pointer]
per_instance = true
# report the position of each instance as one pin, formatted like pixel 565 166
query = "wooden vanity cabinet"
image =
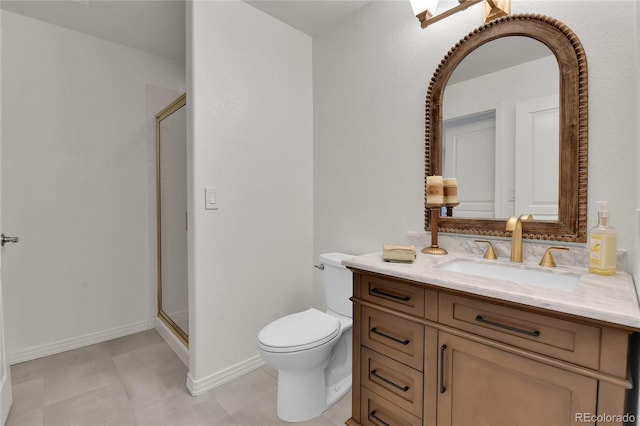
pixel 427 356
pixel 487 386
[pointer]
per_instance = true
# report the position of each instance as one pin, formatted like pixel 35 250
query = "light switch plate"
pixel 211 199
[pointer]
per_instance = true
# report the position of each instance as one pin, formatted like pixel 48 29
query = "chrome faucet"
pixel 514 224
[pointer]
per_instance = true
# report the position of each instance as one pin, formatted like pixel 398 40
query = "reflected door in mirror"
pixel 537 157
pixel 487 147
pixel 469 155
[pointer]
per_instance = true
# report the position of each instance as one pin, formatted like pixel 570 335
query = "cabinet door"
pixel 479 385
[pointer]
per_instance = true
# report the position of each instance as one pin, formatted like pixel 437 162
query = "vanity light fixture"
pixel 425 10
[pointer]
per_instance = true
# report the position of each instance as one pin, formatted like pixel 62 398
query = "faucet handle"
pixel 547 259
pixel 490 253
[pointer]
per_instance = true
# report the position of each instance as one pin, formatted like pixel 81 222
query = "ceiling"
pixel 309 16
pixel 158 26
pixel 152 26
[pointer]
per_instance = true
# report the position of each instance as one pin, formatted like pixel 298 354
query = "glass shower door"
pixel 171 157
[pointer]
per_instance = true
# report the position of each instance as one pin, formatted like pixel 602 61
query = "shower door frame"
pixel 174 106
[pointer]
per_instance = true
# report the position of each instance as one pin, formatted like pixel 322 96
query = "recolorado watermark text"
pixel 605 418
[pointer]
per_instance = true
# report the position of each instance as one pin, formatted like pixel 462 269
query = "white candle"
pixel 435 191
pixel 450 190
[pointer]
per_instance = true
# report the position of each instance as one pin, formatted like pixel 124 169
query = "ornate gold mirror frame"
pixel 572 204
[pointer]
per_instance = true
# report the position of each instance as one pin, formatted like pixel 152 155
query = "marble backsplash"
pixel 532 250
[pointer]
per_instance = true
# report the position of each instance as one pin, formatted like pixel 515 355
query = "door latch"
pixel 4 240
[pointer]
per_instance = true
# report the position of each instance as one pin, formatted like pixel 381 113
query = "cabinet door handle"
pixel 377 292
pixel 378 419
pixel 534 333
pixel 375 373
pixel 443 348
pixel 387 336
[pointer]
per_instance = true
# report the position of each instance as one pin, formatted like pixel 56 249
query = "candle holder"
pixel 450 207
pixel 434 249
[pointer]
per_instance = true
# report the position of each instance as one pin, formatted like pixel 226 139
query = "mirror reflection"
pixel 500 130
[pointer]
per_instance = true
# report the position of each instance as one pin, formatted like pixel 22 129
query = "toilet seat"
pixel 299 331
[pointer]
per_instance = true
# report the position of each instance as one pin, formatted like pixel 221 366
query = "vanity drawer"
pixel 567 340
pixel 397 338
pixel 377 411
pixel 392 380
pixel 393 294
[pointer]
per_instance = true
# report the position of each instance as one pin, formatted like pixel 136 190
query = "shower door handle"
pixel 4 240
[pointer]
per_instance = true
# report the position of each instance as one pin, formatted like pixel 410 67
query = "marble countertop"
pixel 611 299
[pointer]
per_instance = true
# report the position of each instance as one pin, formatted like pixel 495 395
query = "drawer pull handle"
pixel 378 419
pixel 377 292
pixel 375 373
pixel 534 333
pixel 443 348
pixel 395 339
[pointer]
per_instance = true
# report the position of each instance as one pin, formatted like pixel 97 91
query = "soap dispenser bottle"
pixel 602 244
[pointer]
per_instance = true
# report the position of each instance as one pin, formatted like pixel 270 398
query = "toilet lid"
pixel 299 331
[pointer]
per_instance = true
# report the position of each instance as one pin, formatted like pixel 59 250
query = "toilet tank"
pixel 337 281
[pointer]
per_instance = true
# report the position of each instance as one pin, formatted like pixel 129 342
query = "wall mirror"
pixel 506 114
pixel 171 215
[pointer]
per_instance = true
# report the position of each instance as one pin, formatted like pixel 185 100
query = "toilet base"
pixel 297 406
pixel 337 391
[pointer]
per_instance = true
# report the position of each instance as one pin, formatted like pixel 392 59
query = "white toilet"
pixel 312 349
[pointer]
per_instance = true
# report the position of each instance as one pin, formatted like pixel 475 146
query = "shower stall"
pixel 172 220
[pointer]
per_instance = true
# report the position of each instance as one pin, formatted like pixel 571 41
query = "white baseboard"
pixel 174 343
pixel 64 345
pixel 200 386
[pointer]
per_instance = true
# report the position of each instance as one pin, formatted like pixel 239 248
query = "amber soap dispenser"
pixel 602 244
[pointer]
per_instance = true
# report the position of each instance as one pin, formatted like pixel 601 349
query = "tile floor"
pixel 138 380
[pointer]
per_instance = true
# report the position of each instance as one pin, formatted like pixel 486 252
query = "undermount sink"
pixel 517 274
